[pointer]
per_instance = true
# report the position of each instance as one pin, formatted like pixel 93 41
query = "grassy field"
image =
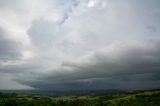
pixel 137 98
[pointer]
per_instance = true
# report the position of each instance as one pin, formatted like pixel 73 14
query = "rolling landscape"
pixel 87 98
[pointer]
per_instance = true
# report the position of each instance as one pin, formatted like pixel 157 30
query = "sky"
pixel 79 44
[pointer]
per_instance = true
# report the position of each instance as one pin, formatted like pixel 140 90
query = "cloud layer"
pixel 80 44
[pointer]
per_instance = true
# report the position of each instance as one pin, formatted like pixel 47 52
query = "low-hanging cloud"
pixel 119 66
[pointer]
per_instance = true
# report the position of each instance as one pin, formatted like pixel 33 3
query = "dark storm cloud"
pixel 121 67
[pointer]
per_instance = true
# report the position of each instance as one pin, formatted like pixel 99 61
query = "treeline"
pixel 135 99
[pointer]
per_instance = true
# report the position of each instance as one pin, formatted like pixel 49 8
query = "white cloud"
pixel 92 3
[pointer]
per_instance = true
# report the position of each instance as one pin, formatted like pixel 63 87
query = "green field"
pixel 137 98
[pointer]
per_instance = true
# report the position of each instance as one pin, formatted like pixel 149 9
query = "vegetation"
pixel 141 98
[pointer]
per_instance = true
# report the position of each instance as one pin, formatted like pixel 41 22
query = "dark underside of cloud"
pixel 127 66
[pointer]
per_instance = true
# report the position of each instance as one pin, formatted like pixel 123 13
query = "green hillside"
pixel 140 98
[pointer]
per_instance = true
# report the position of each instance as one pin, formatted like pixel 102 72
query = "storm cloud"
pixel 80 44
pixel 125 65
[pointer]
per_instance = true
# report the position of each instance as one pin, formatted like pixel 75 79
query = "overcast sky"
pixel 79 44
